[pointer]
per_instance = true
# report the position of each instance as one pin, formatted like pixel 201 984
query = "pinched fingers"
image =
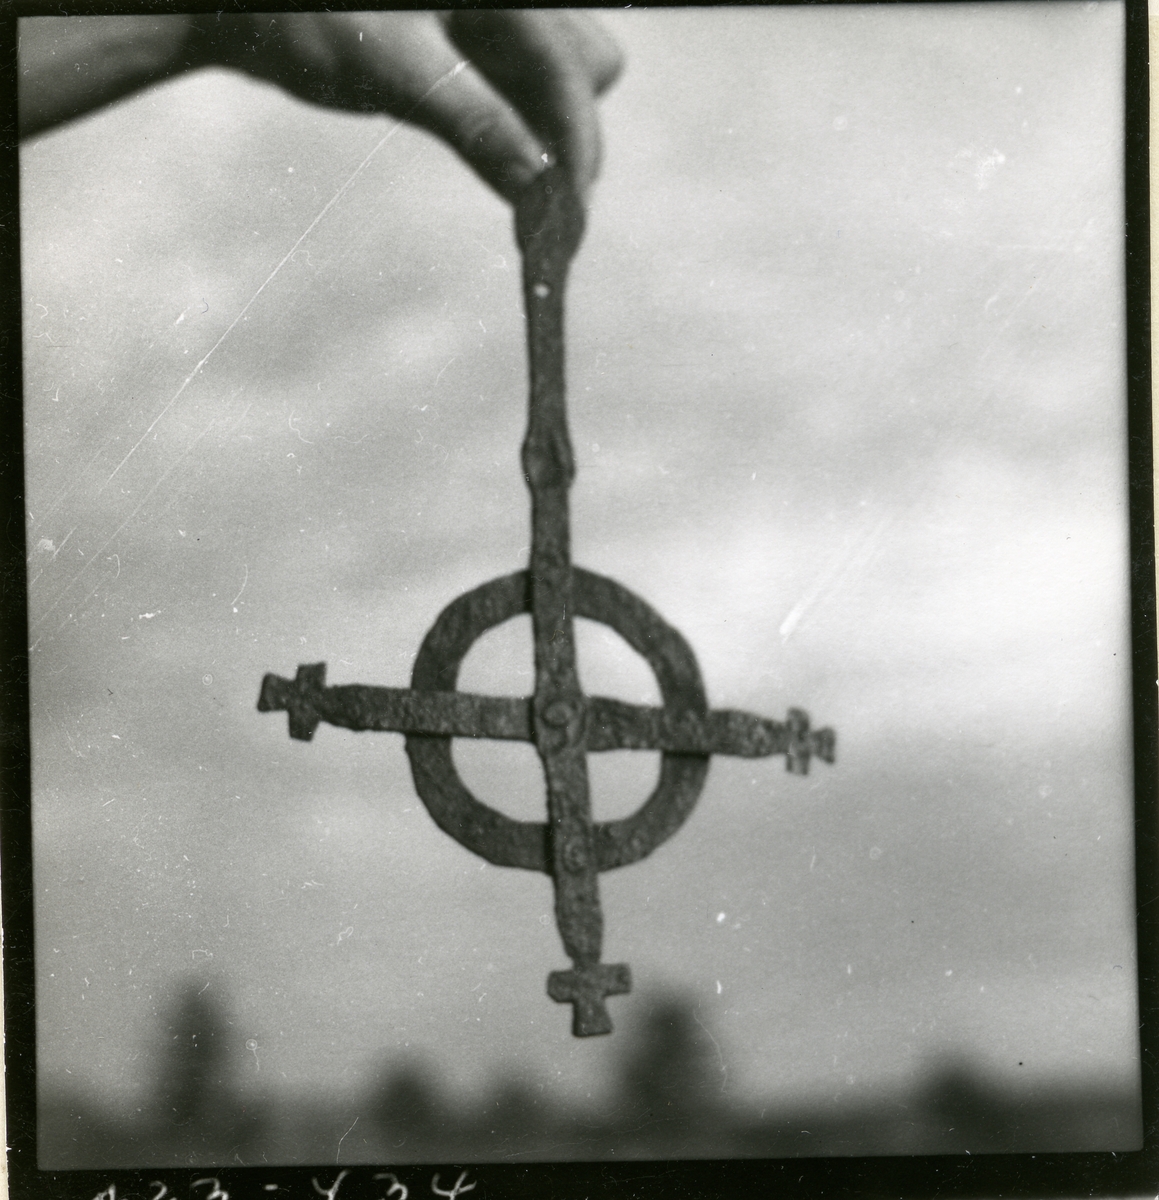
pixel 508 90
pixel 551 66
pixel 399 63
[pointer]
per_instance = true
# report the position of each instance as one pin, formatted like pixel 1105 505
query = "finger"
pixel 602 55
pixel 550 66
pixel 537 61
pixel 402 64
pixel 492 42
pixel 486 131
pixel 429 84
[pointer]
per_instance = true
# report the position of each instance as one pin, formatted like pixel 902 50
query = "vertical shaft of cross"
pixel 549 225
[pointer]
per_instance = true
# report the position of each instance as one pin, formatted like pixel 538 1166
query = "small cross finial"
pixel 296 698
pixel 584 988
pixel 805 742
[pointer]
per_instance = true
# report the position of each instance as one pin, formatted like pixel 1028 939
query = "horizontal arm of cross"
pixel 610 724
pixel 613 725
pixel 356 706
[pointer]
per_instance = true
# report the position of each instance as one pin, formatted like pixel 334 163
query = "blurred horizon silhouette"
pixel 665 1100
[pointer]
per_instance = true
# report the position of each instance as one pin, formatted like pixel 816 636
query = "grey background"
pixel 847 395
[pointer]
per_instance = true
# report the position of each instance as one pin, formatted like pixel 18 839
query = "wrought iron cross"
pixel 563 723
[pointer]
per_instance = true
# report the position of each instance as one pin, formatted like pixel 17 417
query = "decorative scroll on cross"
pixel 563 723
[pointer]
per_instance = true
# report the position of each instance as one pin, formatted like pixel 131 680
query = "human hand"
pixel 503 88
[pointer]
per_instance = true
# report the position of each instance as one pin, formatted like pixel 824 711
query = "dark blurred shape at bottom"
pixel 668 1100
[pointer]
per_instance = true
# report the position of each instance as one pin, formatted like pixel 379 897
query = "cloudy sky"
pixel 847 395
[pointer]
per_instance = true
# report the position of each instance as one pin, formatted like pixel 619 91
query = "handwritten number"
pixel 395 1186
pixel 453 1192
pixel 332 1191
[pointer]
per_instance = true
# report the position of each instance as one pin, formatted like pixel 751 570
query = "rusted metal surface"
pixel 549 224
pixel 602 723
pixel 355 706
pixel 563 724
pixel 498 838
